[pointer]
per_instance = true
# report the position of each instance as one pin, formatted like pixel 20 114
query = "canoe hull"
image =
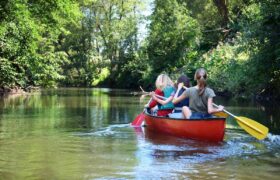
pixel 201 129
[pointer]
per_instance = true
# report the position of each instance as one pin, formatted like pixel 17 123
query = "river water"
pixel 85 134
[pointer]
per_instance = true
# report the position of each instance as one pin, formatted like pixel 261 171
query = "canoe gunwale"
pixel 180 119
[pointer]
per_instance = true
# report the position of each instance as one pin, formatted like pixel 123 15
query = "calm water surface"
pixel 85 134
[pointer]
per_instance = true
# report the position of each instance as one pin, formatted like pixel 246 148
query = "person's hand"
pixel 180 85
pixel 142 97
pixel 153 95
pixel 220 108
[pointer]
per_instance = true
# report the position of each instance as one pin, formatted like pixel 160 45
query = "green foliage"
pixel 227 67
pixel 105 36
pixel 101 77
pixel 249 63
pixel 135 72
pixel 28 37
pixel 173 34
pixel 8 75
pixel 209 20
pixel 95 43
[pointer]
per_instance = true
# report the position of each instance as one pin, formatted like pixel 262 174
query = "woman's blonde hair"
pixel 162 81
pixel 200 76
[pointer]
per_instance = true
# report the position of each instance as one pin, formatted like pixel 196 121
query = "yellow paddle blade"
pixel 221 114
pixel 254 128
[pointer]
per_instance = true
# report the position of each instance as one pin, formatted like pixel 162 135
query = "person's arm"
pixel 161 101
pixel 211 109
pixel 153 103
pixel 177 99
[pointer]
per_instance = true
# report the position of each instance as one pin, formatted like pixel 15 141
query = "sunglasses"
pixel 199 77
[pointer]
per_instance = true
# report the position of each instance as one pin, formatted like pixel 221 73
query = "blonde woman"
pixel 164 87
pixel 200 98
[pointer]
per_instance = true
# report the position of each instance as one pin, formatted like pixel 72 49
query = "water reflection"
pixel 183 146
pixel 265 113
pixel 180 158
pixel 168 155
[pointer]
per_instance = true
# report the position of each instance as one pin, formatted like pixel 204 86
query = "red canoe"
pixel 211 129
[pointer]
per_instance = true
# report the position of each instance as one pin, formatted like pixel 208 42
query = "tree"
pixel 107 35
pixel 173 35
pixel 28 36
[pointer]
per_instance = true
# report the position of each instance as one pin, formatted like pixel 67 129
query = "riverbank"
pixel 17 90
pixel 261 98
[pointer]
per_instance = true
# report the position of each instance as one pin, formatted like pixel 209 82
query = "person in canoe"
pixel 165 88
pixel 177 112
pixel 200 98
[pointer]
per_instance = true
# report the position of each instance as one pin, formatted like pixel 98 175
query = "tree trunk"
pixel 223 10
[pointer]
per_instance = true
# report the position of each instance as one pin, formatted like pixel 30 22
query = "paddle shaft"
pixel 159 96
pixel 137 122
pixel 224 110
pixel 145 92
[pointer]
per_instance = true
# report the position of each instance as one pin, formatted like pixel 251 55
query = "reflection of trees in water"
pixel 62 108
pixel 119 115
pixel 1 112
pixel 272 112
pixel 70 108
pixel 266 113
pixel 121 109
pixel 92 108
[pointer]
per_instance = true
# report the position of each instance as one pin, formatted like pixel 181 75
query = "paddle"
pixel 138 120
pixel 140 117
pixel 254 128
pixel 221 114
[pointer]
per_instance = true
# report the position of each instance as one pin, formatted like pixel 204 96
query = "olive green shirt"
pixel 199 103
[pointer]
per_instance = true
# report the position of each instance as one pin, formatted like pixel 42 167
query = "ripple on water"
pixel 274 139
pixel 236 144
pixel 111 130
pixel 169 156
pixel 191 158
